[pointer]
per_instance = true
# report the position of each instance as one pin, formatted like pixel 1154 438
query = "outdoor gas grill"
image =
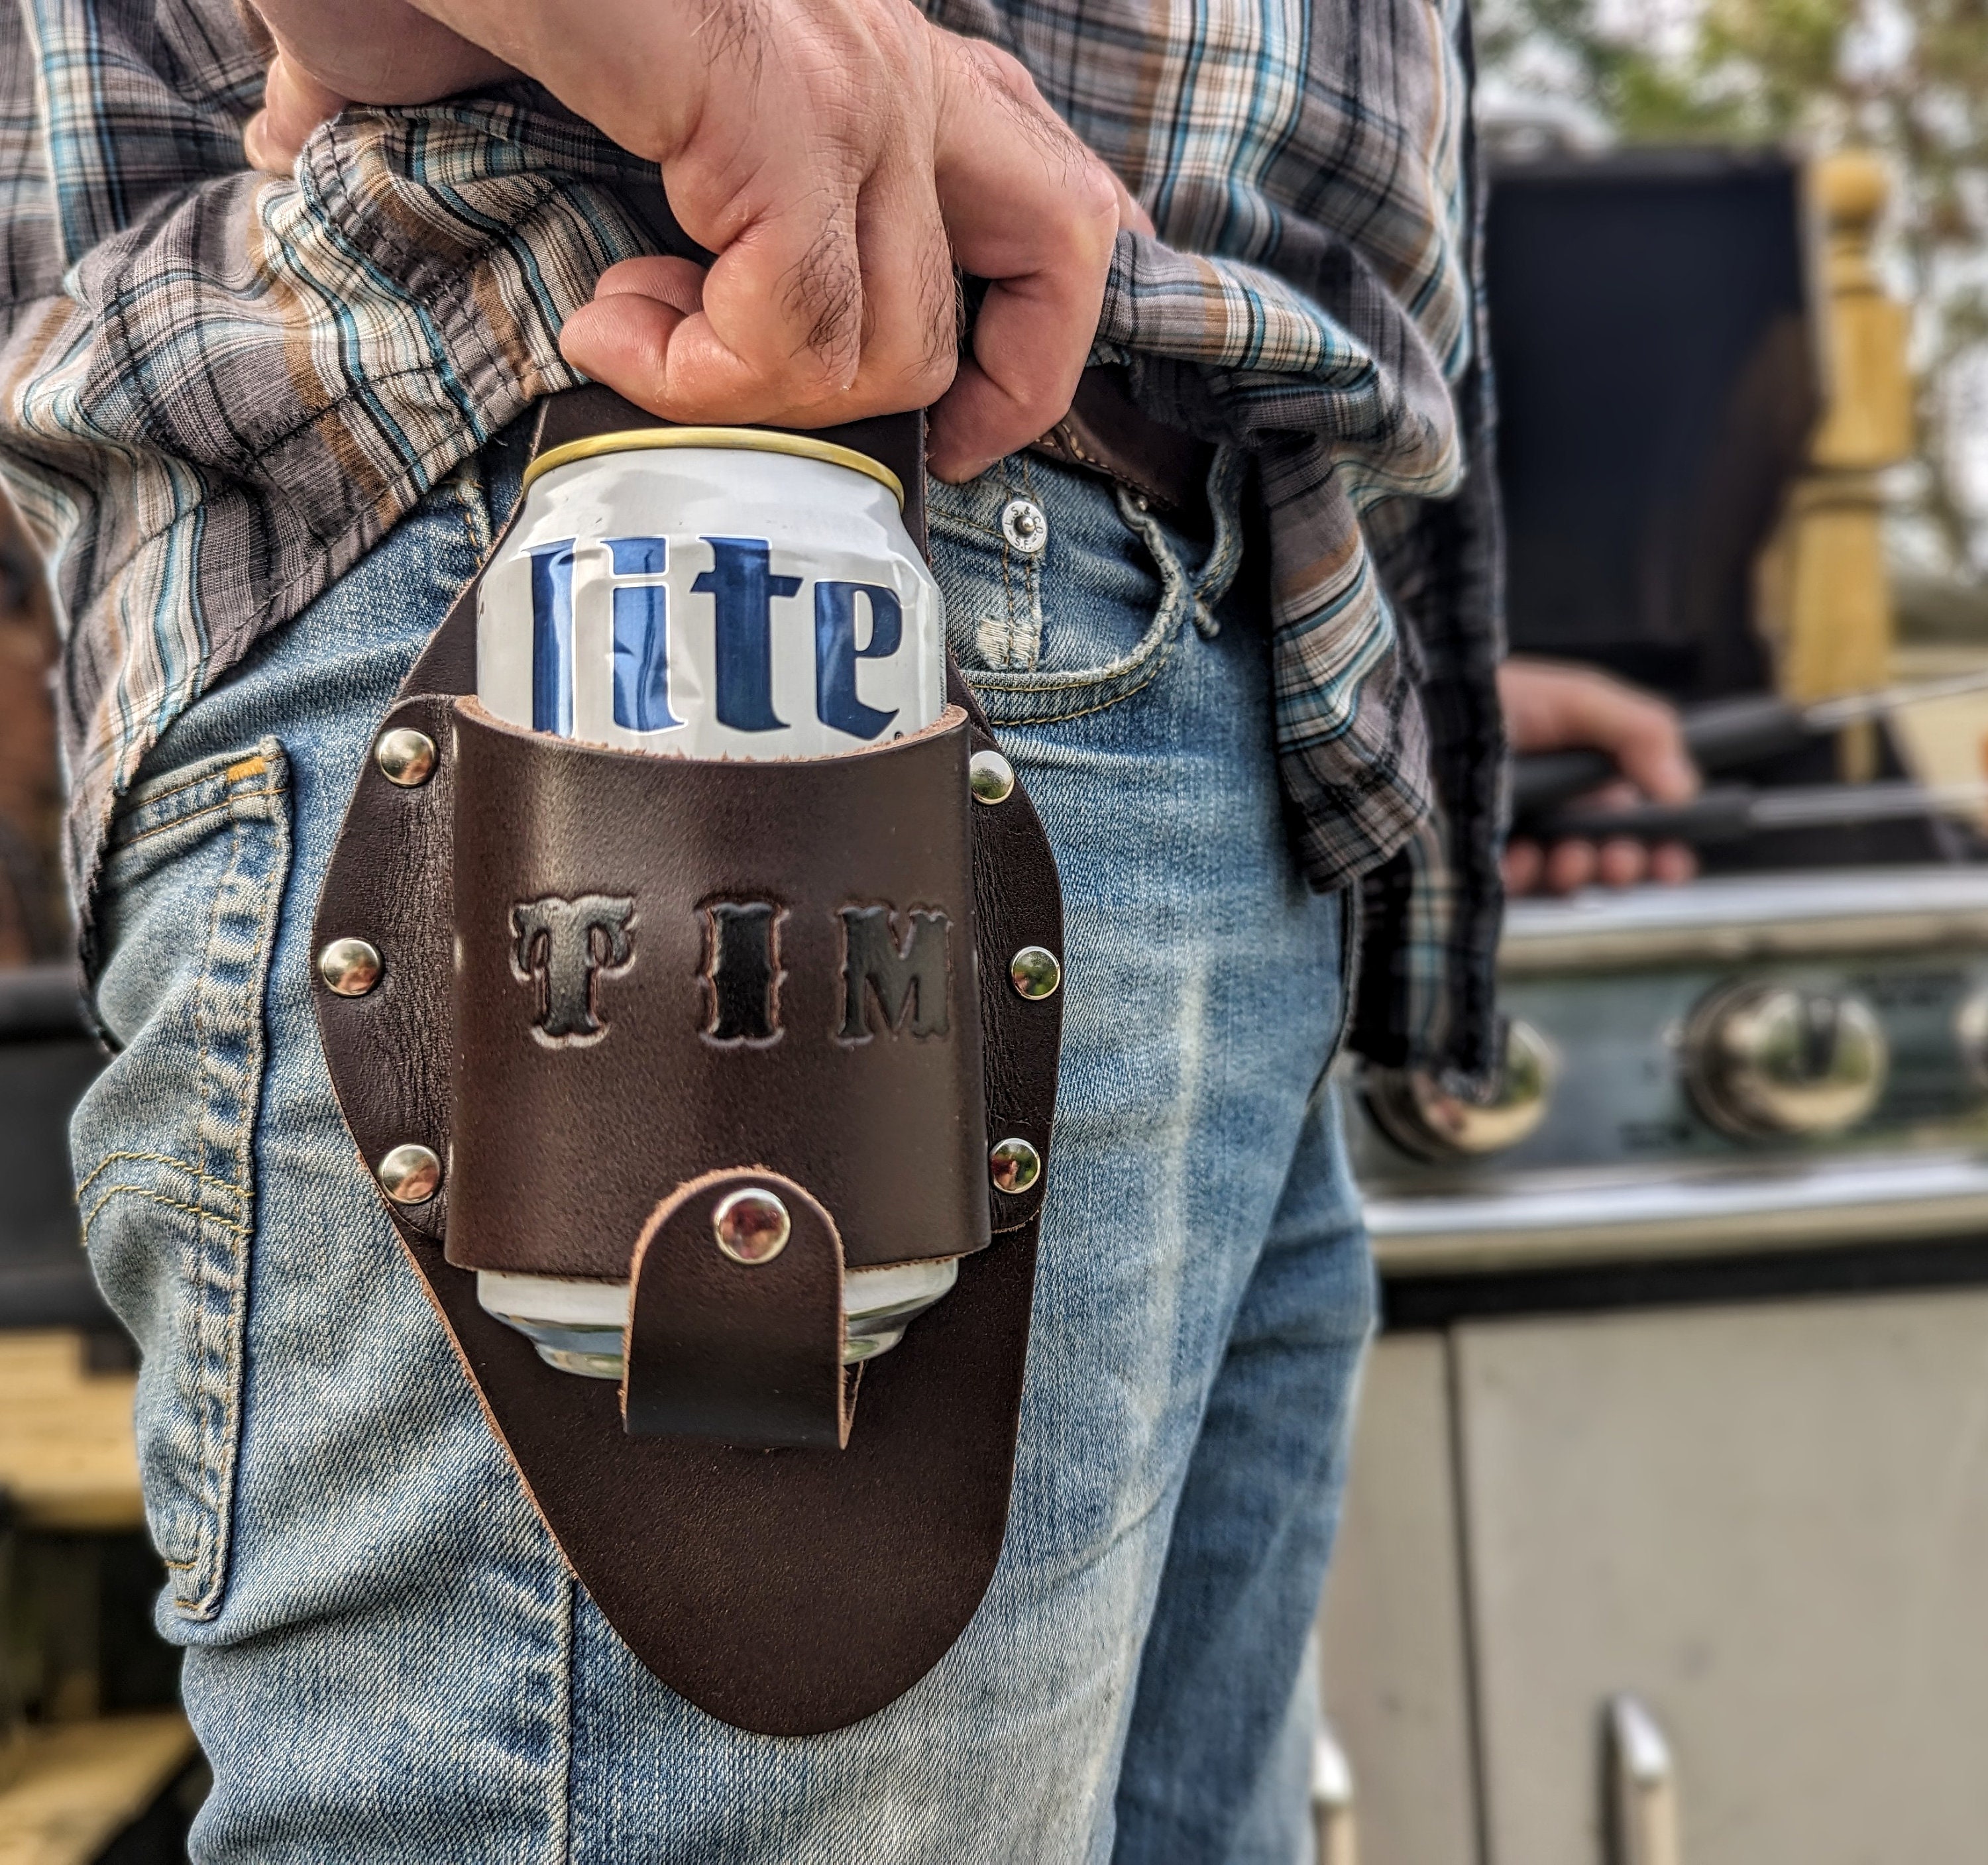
pixel 1679 1429
pixel 1667 1542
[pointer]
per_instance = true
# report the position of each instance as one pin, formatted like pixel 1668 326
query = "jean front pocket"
pixel 164 1143
pixel 1064 596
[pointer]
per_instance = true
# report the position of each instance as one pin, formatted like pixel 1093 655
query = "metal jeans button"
pixel 1025 526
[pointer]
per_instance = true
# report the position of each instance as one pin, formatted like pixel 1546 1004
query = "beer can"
pixel 709 592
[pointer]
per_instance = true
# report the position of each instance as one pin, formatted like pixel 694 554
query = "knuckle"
pixel 1096 199
pixel 821 297
pixel 912 372
pixel 1004 68
pixel 931 377
pixel 941 308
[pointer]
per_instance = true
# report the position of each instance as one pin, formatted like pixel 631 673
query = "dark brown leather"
pixel 895 440
pixel 563 1144
pixel 787 1592
pixel 711 1340
pixel 1019 1048
pixel 391 882
pixel 1106 432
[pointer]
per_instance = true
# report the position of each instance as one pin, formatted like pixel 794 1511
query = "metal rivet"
pixel 1014 1165
pixel 991 777
pixel 1025 526
pixel 1034 972
pixel 406 757
pixel 410 1174
pixel 752 1225
pixel 349 967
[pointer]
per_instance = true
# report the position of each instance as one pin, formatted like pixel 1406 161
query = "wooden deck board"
pixel 79 1785
pixel 68 1459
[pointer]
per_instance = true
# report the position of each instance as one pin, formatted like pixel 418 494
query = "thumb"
pixel 623 339
pixel 294 104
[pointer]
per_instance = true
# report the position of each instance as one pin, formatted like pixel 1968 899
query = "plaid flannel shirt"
pixel 218 388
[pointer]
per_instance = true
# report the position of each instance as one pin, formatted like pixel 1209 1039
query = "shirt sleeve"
pixel 212 408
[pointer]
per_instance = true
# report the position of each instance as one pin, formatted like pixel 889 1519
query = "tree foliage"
pixel 1908 78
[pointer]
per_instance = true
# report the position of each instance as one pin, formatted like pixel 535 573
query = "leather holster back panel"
pixel 787 1591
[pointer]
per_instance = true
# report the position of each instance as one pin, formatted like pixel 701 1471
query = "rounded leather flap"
pixel 735 1322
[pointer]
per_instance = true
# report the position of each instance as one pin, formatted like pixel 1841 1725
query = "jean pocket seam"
pixel 1034 697
pixel 232 1057
pixel 109 1160
pixel 229 803
pixel 1033 715
pixel 176 788
pixel 204 1175
pixel 158 1198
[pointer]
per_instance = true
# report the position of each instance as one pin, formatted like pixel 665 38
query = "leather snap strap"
pixel 737 1314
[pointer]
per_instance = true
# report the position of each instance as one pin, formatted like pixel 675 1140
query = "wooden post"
pixel 1825 603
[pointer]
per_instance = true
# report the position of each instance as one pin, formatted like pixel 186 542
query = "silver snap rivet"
pixel 410 1174
pixel 406 757
pixel 752 1225
pixel 991 777
pixel 1025 526
pixel 1034 972
pixel 349 967
pixel 1014 1165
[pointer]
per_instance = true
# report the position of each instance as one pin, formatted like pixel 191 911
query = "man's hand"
pixel 1552 707
pixel 839 156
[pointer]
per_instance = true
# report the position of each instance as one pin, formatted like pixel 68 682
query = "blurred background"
pixel 97 1763
pixel 1668 1520
pixel 1904 80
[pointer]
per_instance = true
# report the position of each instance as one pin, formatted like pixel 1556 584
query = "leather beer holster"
pixel 617 987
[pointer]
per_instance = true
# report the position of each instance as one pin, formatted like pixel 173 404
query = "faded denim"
pixel 386 1660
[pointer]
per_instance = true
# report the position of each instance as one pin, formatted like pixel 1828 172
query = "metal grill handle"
pixel 1335 1836
pixel 1642 1787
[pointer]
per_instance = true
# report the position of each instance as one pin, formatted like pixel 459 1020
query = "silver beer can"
pixel 709 592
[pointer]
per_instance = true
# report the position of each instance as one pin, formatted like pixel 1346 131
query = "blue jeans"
pixel 387 1658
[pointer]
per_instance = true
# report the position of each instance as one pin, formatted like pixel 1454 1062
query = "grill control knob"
pixel 1766 1061
pixel 1421 1118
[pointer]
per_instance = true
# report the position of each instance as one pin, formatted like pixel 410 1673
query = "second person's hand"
pixel 1549 706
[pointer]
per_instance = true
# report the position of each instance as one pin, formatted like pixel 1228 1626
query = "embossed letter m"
pixel 910 977
pixel 565 948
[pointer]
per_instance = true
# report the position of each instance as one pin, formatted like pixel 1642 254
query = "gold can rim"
pixel 742 440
